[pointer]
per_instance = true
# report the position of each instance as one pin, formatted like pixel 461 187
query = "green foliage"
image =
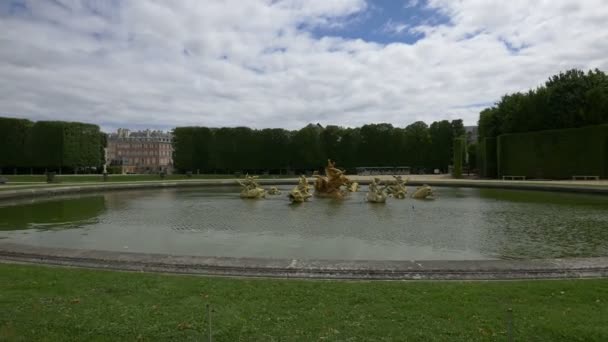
pixel 568 100
pixel 487 160
pixel 555 154
pixel 183 146
pixel 417 144
pixel 13 135
pixel 81 145
pixel 50 144
pixel 103 143
pixel 442 144
pixel 472 156
pixel 242 149
pixel 457 128
pixel 377 145
pixel 45 144
pixel 459 148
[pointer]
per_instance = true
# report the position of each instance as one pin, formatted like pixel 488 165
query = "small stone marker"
pixel 50 177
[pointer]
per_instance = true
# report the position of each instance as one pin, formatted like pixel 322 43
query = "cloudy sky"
pixel 284 63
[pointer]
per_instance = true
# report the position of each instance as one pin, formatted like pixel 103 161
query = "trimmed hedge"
pixel 81 145
pixel 459 144
pixel 555 154
pixel 49 144
pixel 487 158
pixel 45 144
pixel 13 136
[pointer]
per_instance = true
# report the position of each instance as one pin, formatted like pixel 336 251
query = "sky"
pixel 285 63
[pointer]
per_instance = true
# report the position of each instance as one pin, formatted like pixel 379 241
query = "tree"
pixel 442 140
pixel 275 148
pixel 306 149
pixel 183 148
pixel 459 144
pixel 417 142
pixel 376 147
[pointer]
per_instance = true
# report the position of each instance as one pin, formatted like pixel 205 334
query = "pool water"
pixel 460 224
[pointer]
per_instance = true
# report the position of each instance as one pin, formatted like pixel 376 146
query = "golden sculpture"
pixel 375 193
pixel 274 191
pixel 251 189
pixel 397 188
pixel 331 184
pixel 301 192
pixel 423 192
pixel 352 187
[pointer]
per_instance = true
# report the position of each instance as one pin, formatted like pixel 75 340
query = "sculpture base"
pixel 254 193
pixel 334 194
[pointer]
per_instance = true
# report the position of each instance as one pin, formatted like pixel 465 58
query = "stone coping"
pixel 41 191
pixel 310 269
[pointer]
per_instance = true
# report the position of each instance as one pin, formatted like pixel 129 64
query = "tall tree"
pixel 442 140
pixel 417 141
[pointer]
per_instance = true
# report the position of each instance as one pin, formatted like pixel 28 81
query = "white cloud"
pixel 393 27
pixel 169 63
pixel 412 3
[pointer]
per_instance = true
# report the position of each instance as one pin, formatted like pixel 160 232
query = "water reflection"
pixel 52 214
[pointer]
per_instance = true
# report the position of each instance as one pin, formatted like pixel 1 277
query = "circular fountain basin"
pixel 460 224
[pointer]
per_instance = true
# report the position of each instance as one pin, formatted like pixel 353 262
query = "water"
pixel 461 224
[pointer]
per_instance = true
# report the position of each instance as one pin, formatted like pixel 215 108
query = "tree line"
pixel 27 146
pixel 568 100
pixel 242 149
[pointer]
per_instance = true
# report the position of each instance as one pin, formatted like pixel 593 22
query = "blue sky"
pixel 284 63
pixel 385 22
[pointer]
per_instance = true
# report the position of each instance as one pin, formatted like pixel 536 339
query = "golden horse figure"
pixel 397 188
pixel 423 192
pixel 301 192
pixel 251 189
pixel 375 193
pixel 331 184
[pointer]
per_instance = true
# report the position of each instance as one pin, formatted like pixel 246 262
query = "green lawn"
pixel 58 304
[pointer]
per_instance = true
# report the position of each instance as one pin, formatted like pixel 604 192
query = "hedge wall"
pixel 81 145
pixel 45 144
pixel 459 145
pixel 13 135
pixel 555 154
pixel 49 144
pixel 487 158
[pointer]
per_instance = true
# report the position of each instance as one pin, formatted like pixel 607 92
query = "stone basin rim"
pixel 566 268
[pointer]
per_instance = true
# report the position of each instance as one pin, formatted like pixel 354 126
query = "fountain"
pixel 273 191
pixel 331 184
pixel 251 189
pixel 423 192
pixel 375 193
pixel 352 186
pixel 397 188
pixel 301 192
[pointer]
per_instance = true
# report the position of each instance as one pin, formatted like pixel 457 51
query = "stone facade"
pixel 140 152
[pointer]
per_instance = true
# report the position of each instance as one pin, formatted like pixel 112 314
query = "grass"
pixel 61 304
